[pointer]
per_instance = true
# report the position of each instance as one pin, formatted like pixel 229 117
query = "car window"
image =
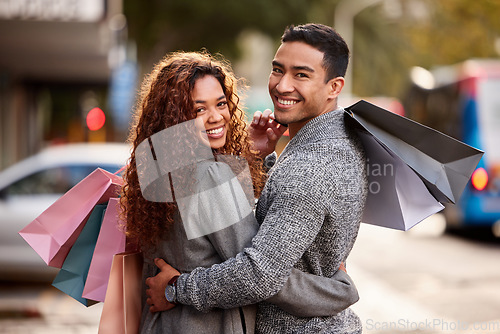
pixel 56 180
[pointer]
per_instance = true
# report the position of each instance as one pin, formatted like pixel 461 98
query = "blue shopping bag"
pixel 73 274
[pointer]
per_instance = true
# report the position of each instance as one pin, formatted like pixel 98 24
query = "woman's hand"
pixel 156 287
pixel 265 132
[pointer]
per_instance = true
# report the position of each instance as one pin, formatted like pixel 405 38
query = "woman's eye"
pixel 199 110
pixel 222 104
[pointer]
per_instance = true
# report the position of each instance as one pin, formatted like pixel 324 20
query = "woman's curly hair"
pixel 164 101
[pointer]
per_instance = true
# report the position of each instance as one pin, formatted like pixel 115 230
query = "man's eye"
pixel 277 70
pixel 302 75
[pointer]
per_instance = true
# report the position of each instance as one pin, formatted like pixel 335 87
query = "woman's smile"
pixel 216 133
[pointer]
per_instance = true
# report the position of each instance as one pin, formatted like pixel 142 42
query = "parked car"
pixel 30 186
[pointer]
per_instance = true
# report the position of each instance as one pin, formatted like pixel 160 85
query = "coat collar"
pixel 326 126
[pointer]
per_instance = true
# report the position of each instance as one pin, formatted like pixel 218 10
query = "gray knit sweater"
pixel 309 215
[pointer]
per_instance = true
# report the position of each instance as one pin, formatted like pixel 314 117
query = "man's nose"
pixel 285 84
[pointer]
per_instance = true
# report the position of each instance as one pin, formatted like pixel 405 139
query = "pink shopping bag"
pixel 53 233
pixel 111 240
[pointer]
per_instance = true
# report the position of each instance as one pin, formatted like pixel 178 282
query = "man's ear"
pixel 335 87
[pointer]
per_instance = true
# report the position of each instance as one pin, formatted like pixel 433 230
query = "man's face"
pixel 297 85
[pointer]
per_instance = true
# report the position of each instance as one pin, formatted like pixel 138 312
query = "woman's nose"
pixel 215 116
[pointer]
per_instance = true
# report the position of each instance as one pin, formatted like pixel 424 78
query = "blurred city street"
pixel 420 281
pixel 71 92
pixel 424 281
pixel 42 309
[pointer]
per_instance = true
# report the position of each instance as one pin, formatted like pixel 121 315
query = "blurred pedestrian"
pixel 191 86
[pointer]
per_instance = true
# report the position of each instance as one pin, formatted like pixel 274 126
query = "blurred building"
pixel 57 61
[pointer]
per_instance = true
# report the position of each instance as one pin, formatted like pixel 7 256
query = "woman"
pixel 195 89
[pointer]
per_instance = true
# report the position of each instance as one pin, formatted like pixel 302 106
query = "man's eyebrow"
pixel 303 68
pixel 295 68
pixel 276 63
pixel 218 99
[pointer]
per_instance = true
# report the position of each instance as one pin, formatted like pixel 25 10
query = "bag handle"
pixel 120 170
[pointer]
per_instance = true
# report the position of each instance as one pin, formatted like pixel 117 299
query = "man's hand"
pixel 265 132
pixel 156 287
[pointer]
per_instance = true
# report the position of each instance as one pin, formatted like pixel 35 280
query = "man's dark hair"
pixel 325 39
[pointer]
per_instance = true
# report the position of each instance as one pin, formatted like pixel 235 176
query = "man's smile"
pixel 286 101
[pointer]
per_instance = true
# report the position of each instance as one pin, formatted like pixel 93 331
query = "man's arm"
pixel 259 272
pixel 302 295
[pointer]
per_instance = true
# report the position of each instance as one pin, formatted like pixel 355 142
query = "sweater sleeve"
pixel 292 222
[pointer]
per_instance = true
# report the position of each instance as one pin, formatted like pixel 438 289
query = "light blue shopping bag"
pixel 73 274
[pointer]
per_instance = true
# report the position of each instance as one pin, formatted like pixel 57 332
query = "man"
pixel 310 209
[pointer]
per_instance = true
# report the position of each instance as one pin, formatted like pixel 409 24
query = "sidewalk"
pixel 45 311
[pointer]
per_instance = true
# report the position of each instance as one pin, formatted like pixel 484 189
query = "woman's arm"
pixel 308 295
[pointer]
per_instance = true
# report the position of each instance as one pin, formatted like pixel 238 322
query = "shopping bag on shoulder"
pixel 111 240
pixel 73 274
pixel 397 197
pixel 415 169
pixel 54 231
pixel 121 312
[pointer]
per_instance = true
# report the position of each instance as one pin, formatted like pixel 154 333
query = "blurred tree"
pixel 375 60
pixel 161 26
pixel 389 37
pixel 456 30
pixel 377 67
pixel 395 35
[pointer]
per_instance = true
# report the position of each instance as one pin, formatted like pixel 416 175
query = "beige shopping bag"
pixel 121 312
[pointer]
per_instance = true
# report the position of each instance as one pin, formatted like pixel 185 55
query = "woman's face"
pixel 212 110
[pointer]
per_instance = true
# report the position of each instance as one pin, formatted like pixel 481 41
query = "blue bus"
pixel 463 101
